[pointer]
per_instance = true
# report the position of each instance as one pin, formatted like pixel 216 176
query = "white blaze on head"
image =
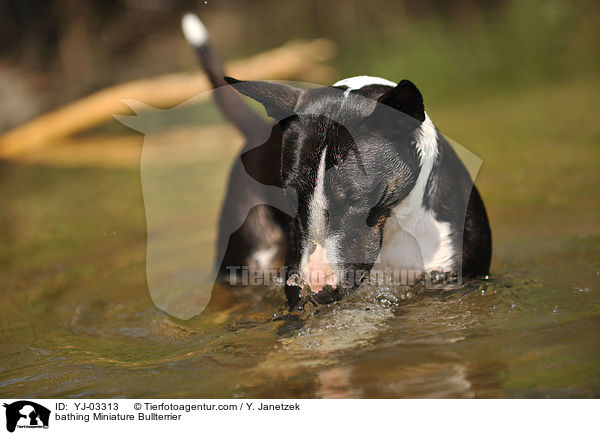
pixel 317 224
pixel 317 266
pixel 358 82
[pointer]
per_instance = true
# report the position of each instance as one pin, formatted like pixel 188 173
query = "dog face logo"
pixel 26 414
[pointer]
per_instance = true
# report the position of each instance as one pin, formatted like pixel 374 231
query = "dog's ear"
pixel 279 99
pixel 406 98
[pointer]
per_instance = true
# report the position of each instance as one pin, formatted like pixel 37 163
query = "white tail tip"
pixel 193 30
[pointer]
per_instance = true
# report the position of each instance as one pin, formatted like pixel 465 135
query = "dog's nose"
pixel 320 273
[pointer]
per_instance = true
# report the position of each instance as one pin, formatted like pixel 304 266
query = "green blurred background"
pixel 52 52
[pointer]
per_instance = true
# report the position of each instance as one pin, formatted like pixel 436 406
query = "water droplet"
pixel 294 280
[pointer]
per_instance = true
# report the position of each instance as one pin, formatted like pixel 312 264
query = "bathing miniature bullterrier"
pixel 347 177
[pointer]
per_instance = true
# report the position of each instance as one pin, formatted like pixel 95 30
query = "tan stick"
pixel 292 60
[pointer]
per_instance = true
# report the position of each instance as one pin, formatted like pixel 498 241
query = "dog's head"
pixel 350 158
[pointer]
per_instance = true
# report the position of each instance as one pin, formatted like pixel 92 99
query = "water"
pixel 77 319
pixel 502 338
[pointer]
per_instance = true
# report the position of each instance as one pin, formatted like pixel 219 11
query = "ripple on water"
pixel 378 342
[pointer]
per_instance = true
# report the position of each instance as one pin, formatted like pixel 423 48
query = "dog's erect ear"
pixel 279 99
pixel 406 98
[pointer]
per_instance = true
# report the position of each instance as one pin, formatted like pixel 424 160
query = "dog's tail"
pixel 229 101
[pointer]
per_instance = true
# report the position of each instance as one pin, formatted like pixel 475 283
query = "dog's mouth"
pixel 325 296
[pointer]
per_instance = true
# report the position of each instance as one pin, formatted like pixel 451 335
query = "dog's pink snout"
pixel 320 273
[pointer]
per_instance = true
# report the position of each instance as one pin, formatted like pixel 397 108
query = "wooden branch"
pixel 290 61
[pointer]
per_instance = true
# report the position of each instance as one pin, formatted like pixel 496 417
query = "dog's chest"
pixel 416 241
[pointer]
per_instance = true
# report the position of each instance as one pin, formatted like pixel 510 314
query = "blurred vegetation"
pixel 52 52
pixel 480 50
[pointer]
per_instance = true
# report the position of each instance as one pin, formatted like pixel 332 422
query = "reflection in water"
pixel 357 329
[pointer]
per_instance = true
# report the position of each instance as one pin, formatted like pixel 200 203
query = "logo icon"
pixel 26 414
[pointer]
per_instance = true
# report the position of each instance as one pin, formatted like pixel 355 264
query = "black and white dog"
pixel 349 175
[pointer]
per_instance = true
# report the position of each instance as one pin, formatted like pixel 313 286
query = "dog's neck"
pixel 427 150
pixel 413 237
